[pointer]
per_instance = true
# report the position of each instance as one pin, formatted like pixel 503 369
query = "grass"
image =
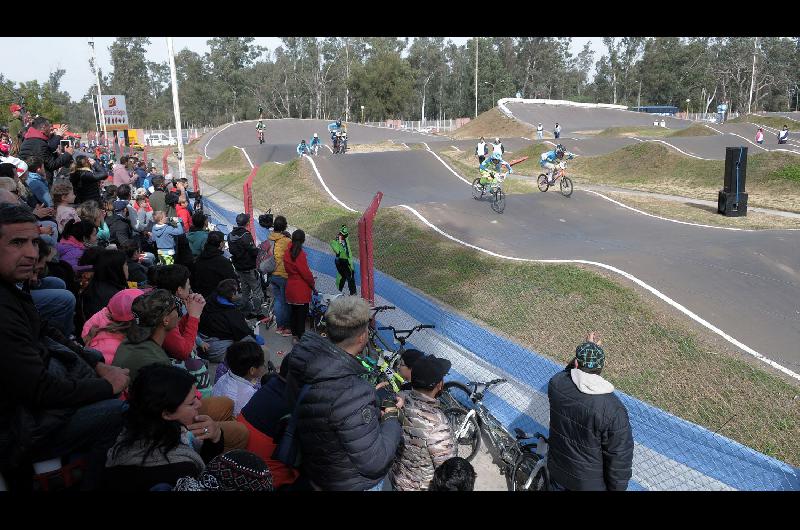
pixel 653 355
pixel 771 121
pixel 657 132
pixel 492 123
pixel 698 213
pixel 772 178
pixel 695 129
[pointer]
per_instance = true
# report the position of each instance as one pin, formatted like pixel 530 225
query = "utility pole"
pixel 476 77
pixel 347 79
pixel 423 99
pixel 177 108
pixel 639 101
pixel 753 77
pixel 99 92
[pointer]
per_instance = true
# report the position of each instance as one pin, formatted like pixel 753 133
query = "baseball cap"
pixel 411 356
pixel 14 107
pixel 590 355
pixel 120 205
pixel 428 371
pixel 120 304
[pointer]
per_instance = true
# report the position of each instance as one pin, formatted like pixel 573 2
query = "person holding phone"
pixel 38 143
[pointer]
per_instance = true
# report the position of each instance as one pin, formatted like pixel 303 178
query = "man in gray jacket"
pixel 591 445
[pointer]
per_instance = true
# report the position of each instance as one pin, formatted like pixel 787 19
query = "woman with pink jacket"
pixel 106 329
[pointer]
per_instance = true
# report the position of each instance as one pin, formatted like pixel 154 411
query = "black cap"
pixel 428 371
pixel 242 219
pixel 411 356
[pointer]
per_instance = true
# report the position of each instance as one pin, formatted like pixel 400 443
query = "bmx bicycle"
pixel 261 136
pixel 383 362
pixel 493 189
pixel 565 183
pixel 523 456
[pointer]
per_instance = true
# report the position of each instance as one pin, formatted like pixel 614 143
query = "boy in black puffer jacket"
pixel 222 324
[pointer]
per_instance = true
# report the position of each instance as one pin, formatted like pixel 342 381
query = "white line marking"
pixel 678 149
pixel 740 136
pixel 465 181
pixel 281 163
pixel 525 138
pixel 404 145
pixel 456 148
pixel 426 146
pixel 627 275
pixel 319 177
pixel 205 150
pixel 245 154
pixel 329 148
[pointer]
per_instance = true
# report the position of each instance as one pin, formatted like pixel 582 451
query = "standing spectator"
pixel 345 271
pixel 38 143
pixel 557 131
pixel 481 150
pixel 86 180
pixel 243 256
pixel 79 407
pixel 760 136
pixel 277 280
pixel 300 283
pixel 142 175
pixel 455 474
pixel 212 266
pixel 37 181
pixel 163 234
pixel 245 360
pixel 110 277
pixel 591 445
pixel 15 127
pixel 182 211
pixel 63 198
pixel 165 436
pixel 428 439
pixel 498 148
pixel 539 131
pixel 106 329
pixel 783 135
pixel 119 226
pixel 346 441
pixel 198 233
pixel 158 197
pixel 222 323
pixel 122 172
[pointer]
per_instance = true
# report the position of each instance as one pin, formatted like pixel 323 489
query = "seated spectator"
pixel 86 180
pixel 119 226
pixel 222 323
pixel 165 436
pixel 299 285
pixel 78 408
pixel 124 193
pixel 143 222
pixel 63 198
pixel 246 362
pixel 53 301
pixel 236 470
pixel 107 328
pixel 264 416
pixel 109 194
pixel 347 442
pixel 198 233
pixel 212 266
pixel 455 474
pixel 110 277
pixel 163 234
pixel 74 240
pixel 407 359
pixel 182 211
pixel 137 271
pixel 181 343
pixel 37 181
pixel 427 436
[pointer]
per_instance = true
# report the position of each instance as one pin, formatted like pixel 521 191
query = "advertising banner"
pixel 116 113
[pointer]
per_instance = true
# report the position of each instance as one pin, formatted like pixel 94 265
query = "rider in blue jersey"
pixel 334 127
pixel 551 158
pixel 302 148
pixel 315 141
pixel 492 166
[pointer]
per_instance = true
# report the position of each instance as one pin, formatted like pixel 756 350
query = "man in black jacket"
pixel 119 226
pixel 346 441
pixel 45 411
pixel 591 445
pixel 39 142
pixel 211 266
pixel 222 323
pixel 243 255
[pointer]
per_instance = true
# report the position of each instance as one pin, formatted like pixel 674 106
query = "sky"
pixel 47 54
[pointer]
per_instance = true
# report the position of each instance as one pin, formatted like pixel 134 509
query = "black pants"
pixel 297 319
pixel 347 275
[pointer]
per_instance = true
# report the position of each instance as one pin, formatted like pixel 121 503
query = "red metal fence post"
pixel 365 249
pixel 248 200
pixel 144 157
pixel 164 161
pixel 195 169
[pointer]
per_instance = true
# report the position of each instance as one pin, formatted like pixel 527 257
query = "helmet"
pixel 496 157
pixel 303 141
pixel 560 149
pixel 338 123
pixel 497 140
pixel 315 135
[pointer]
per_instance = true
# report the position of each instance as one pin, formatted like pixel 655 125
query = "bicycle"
pixel 384 366
pixel 495 189
pixel 314 149
pixel 565 183
pixel 523 464
pixel 260 136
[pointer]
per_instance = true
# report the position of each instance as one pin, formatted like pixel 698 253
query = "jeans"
pixel 379 486
pixel 55 303
pixel 281 309
pixel 93 429
pixel 252 295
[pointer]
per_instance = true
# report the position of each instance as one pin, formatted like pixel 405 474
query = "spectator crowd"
pixel 133 358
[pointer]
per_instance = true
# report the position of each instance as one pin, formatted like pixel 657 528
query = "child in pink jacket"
pixel 106 329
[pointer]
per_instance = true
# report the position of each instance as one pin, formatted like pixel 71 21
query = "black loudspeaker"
pixel 728 204
pixel 735 168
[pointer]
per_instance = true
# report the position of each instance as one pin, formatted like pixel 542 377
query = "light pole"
pixel 362 114
pixel 99 93
pixel 177 108
pixel 687 108
pixel 476 77
pixel 425 84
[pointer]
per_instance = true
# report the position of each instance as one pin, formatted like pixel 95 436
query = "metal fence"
pixel 419 125
pixel 188 134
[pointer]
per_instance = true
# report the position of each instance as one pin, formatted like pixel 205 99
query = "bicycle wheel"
pixel 542 182
pixel 529 474
pixel 566 186
pixel 477 189
pixel 455 394
pixel 468 436
pixel 499 201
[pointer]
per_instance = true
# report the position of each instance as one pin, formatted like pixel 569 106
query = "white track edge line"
pixel 246 155
pixel 630 277
pixel 205 149
pixel 319 177
pixel 329 148
pixel 465 181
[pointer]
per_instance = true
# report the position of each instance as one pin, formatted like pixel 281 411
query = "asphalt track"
pixel 745 283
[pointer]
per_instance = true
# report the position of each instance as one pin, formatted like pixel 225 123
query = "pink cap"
pixel 120 304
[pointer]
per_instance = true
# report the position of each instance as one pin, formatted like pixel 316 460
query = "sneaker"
pixel 286 332
pixel 280 352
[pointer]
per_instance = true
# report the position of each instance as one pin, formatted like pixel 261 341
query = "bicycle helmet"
pixel 303 141
pixel 496 157
pixel 315 135
pixel 338 123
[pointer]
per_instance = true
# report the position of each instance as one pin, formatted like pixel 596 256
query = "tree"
pixel 384 85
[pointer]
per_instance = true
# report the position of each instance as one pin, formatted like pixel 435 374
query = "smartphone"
pixel 64 143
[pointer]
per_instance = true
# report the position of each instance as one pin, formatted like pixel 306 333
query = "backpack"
pixel 265 261
pixel 287 448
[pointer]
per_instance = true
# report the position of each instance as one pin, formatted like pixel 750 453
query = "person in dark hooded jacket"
pixel 119 226
pixel 211 266
pixel 243 256
pixel 347 442
pixel 222 323
pixel 38 142
pixel 591 444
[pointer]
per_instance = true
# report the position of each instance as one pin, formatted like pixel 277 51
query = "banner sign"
pixel 116 113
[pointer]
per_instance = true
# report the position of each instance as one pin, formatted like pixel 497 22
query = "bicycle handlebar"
pixel 403 334
pixel 380 308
